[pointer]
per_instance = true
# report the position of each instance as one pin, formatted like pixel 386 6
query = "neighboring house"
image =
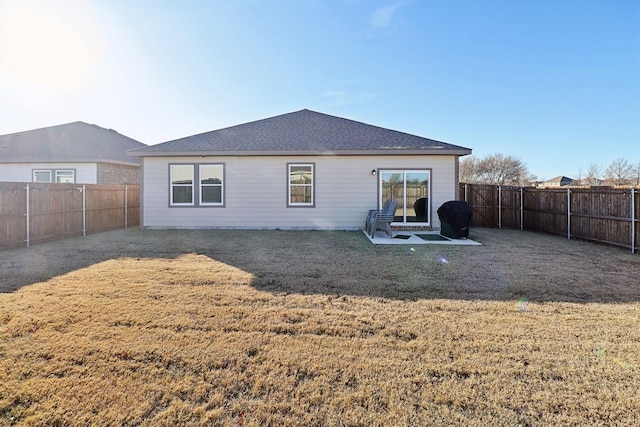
pixel 302 170
pixel 558 181
pixel 72 153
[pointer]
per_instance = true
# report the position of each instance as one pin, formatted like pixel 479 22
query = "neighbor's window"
pixel 65 176
pixel 211 185
pixel 41 176
pixel 181 177
pixel 301 184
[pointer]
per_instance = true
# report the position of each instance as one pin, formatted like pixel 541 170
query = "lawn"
pixel 281 328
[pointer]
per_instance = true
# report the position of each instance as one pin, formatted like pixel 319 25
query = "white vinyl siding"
pixel 84 173
pixel 254 188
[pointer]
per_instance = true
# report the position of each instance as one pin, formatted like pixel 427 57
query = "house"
pixel 558 181
pixel 71 153
pixel 301 170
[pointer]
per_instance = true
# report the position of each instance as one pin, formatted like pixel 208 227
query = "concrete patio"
pixel 417 238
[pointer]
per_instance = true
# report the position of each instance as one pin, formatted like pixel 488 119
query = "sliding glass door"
pixel 411 189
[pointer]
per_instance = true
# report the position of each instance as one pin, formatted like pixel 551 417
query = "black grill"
pixel 455 217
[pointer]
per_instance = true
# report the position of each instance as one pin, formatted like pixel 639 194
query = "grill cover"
pixel 455 217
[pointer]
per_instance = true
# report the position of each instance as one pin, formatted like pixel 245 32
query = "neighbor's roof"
pixel 301 132
pixel 559 180
pixel 71 142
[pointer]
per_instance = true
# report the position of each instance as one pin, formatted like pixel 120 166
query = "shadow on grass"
pixel 510 265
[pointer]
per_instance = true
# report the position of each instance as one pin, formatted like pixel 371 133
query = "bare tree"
pixel 619 172
pixel 467 172
pixel 530 180
pixel 594 174
pixel 496 169
pixel 635 174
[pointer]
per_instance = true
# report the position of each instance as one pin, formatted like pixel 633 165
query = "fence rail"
pixel 38 212
pixel 600 214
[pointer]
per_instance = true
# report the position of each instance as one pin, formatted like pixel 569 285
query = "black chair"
pixel 420 207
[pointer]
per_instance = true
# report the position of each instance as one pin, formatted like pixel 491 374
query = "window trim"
pixel 34 171
pixel 196 186
pixel 172 185
pixel 53 175
pixel 221 185
pixel 73 175
pixel 311 204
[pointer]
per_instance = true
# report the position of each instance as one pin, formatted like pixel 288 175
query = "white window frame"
pixel 404 222
pixel 172 185
pixel 201 185
pixel 49 171
pixel 311 185
pixel 59 172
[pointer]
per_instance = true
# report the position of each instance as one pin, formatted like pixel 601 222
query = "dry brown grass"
pixel 318 328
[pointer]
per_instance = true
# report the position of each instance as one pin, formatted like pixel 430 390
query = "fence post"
pixel 633 221
pixel 521 208
pixel 569 213
pixel 499 206
pixel 84 210
pixel 27 216
pixel 126 198
pixel 466 199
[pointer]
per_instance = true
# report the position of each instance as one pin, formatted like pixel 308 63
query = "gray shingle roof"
pixel 71 142
pixel 302 131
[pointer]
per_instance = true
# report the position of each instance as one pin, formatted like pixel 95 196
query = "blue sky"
pixel 555 83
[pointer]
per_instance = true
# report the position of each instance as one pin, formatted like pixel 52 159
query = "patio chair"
pixel 372 215
pixel 381 220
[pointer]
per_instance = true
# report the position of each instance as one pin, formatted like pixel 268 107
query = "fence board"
pixel 600 214
pixel 483 199
pixel 57 211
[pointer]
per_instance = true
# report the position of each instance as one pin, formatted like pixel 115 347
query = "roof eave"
pixel 32 160
pixel 390 152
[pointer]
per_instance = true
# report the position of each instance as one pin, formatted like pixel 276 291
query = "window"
pixel 65 176
pixel 301 185
pixel 209 190
pixel 411 188
pixel 181 185
pixel 41 176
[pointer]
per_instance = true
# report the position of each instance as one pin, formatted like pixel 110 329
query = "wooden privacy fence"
pixel 600 214
pixel 38 212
